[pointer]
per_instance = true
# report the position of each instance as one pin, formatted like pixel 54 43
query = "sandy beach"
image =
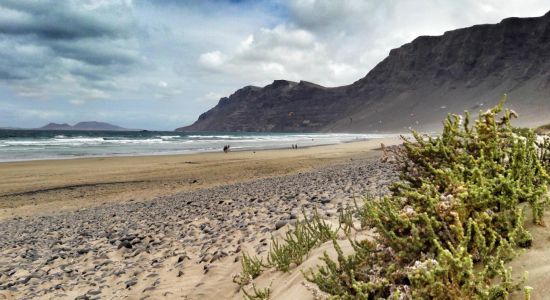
pixel 175 227
pixel 166 226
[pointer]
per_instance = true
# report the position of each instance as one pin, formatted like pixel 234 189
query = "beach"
pixel 166 226
pixel 176 227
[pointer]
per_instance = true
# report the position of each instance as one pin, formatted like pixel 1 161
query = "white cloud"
pixel 213 59
pixel 77 102
pixel 283 52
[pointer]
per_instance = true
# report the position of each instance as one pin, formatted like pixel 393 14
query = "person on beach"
pixel 225 149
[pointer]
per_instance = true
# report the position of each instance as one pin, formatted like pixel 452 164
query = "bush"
pixel 251 268
pixel 452 221
pixel 285 253
pixel 258 294
pixel 297 243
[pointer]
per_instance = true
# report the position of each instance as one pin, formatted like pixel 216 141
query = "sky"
pixel 159 64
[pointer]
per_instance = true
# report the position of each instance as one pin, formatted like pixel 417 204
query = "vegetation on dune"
pixel 251 268
pixel 452 222
pixel 286 252
pixel 257 293
pixel 447 228
pixel 298 242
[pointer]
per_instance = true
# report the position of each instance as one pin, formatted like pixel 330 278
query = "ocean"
pixel 21 145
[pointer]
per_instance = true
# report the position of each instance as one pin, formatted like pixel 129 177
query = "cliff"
pixel 415 86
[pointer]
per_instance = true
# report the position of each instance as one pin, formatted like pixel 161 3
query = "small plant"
pixel 345 219
pixel 321 230
pixel 257 293
pixel 279 256
pixel 292 248
pixel 297 243
pixel 251 268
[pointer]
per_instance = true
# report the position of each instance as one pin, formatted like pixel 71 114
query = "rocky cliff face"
pixel 279 107
pixel 415 86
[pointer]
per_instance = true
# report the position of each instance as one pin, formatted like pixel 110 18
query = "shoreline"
pixel 177 153
pixel 50 148
pixel 49 186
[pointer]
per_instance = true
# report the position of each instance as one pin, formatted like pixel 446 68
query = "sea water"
pixel 18 145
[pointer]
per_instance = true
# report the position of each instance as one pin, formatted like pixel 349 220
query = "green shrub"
pixel 297 243
pixel 251 268
pixel 258 294
pixel 452 221
pixel 283 254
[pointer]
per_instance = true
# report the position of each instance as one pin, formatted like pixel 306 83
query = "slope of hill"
pixel 56 126
pixel 415 86
pixel 279 107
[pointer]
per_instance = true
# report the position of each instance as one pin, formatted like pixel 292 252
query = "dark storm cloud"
pixel 44 42
pixel 96 52
pixel 6 75
pixel 58 20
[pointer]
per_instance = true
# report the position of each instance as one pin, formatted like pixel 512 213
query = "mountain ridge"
pixel 416 85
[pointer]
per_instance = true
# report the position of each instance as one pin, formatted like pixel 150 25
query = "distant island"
pixel 88 125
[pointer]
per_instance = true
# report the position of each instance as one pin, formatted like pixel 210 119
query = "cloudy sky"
pixel 158 64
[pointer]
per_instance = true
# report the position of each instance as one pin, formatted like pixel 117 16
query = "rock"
pixel 325 200
pixel 94 292
pixel 83 250
pixel 24 280
pixel 125 244
pixel 280 224
pixel 131 282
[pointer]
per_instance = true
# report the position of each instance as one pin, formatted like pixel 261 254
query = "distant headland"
pixel 88 125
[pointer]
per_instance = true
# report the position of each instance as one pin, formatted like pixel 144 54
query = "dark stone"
pixel 131 282
pixel 94 292
pixel 325 200
pixel 125 244
pixel 83 250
